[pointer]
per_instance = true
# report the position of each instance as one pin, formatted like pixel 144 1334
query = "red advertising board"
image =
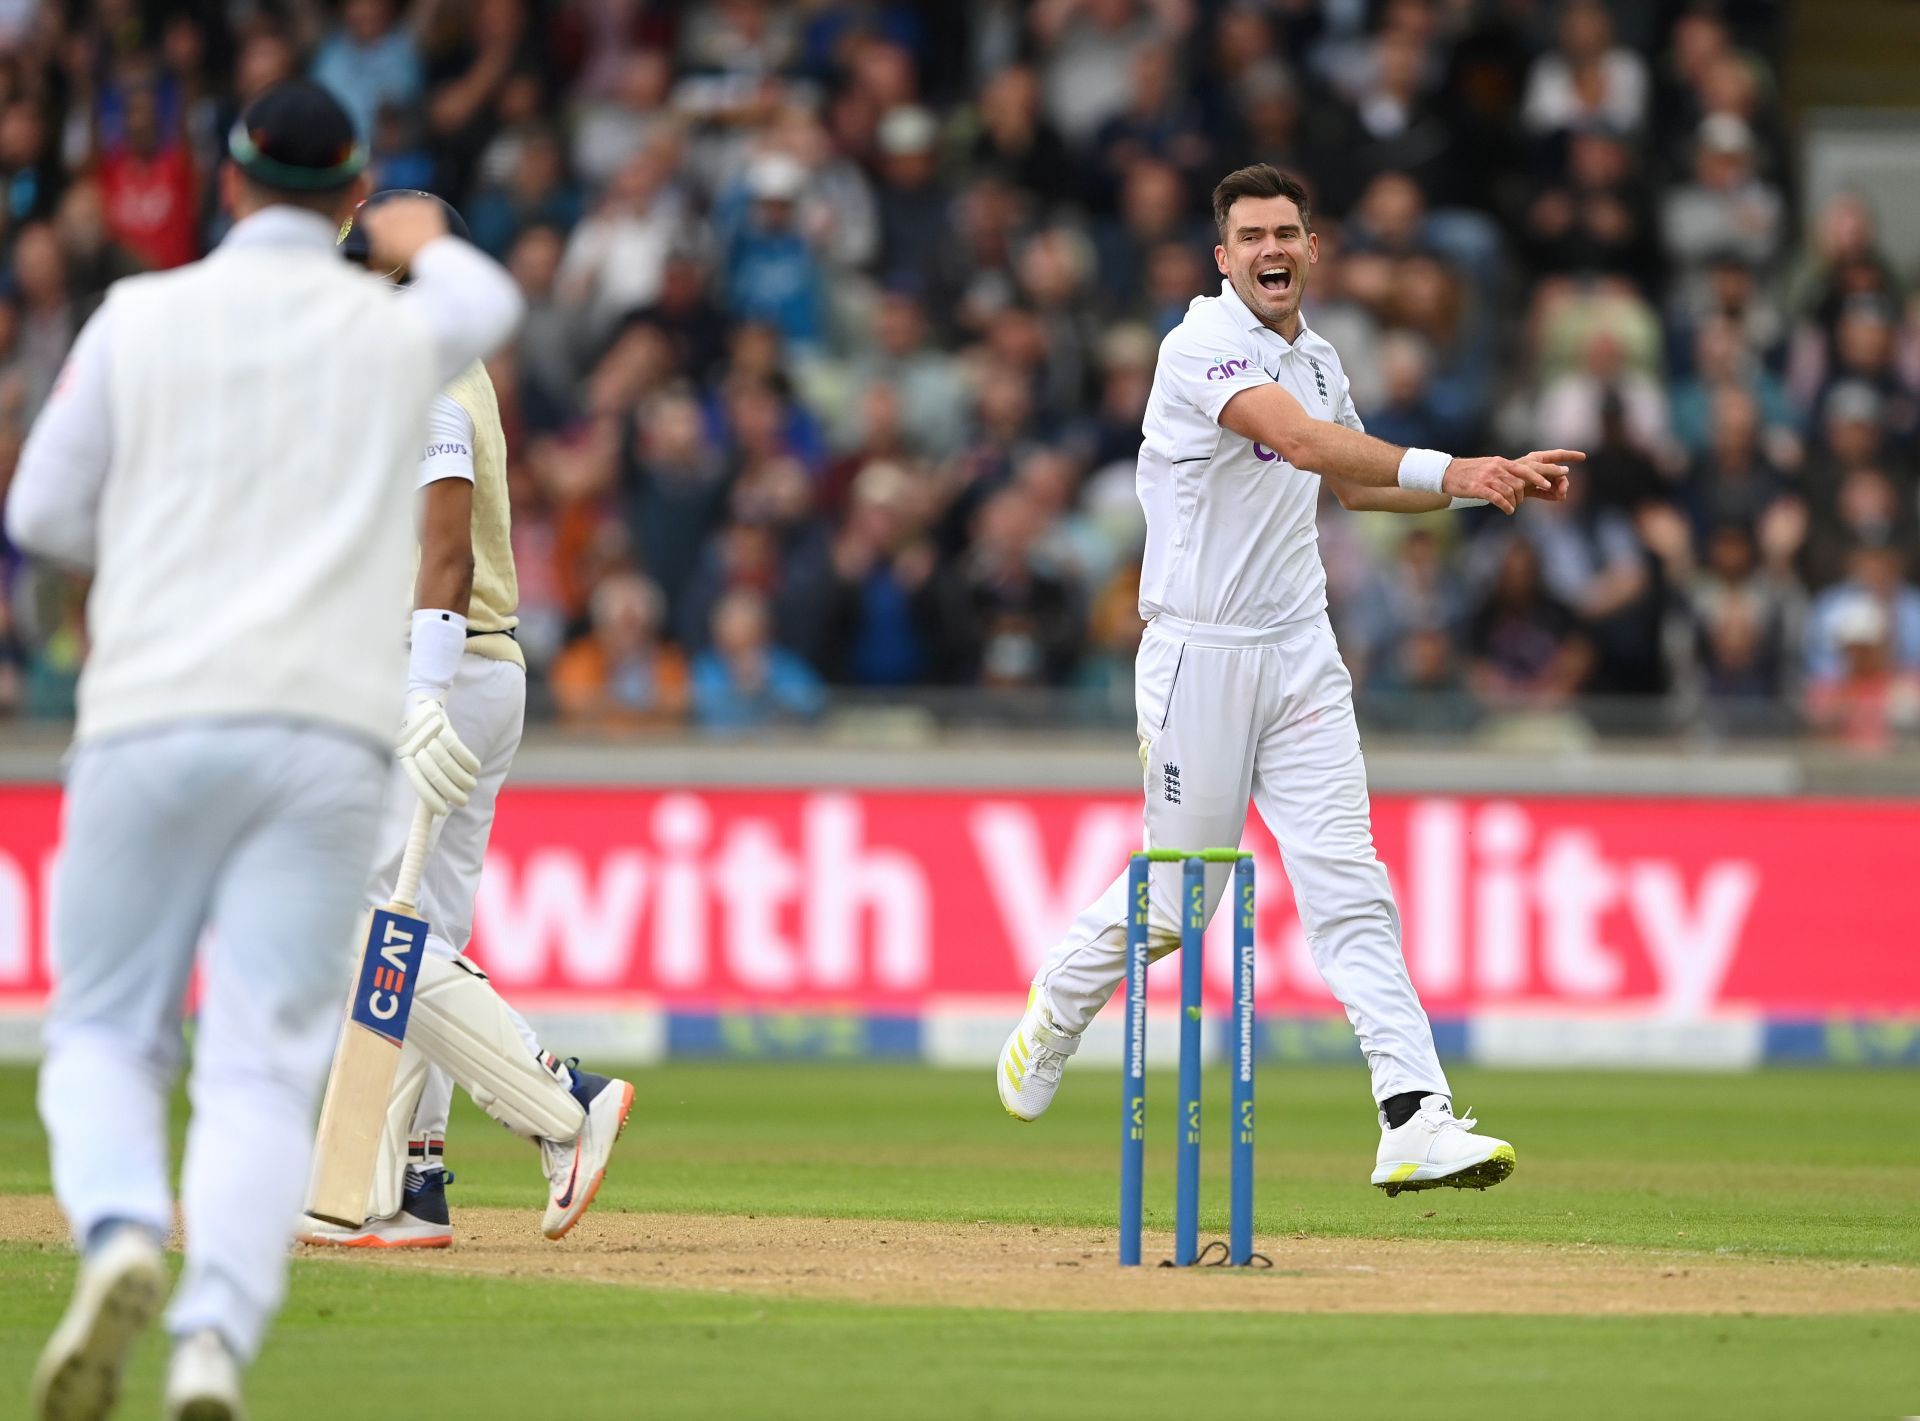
pixel 885 900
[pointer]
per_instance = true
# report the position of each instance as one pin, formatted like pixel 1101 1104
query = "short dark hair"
pixel 1258 180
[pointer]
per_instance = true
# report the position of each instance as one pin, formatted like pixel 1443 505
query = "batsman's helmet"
pixel 352 240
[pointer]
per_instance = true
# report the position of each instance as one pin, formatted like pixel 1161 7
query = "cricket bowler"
pixel 230 449
pixel 1239 687
pixel 466 677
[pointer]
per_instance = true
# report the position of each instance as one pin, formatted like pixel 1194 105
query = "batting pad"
pixel 390 1166
pixel 461 1025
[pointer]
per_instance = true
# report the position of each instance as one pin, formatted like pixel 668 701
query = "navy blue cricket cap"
pixel 352 240
pixel 296 137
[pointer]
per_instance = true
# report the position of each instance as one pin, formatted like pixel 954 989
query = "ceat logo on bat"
pixel 383 997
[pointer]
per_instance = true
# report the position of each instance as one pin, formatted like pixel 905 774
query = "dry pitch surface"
pixel 993 1265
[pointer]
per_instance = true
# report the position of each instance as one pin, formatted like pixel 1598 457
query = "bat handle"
pixel 406 892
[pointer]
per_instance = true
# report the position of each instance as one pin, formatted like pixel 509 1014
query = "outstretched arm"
pixel 1365 499
pixel 1268 414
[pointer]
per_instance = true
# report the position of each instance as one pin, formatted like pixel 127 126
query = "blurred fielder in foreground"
pixel 1239 688
pixel 230 449
pixel 466 688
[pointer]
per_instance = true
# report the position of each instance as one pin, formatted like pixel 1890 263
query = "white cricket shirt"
pixel 1231 538
pixel 232 447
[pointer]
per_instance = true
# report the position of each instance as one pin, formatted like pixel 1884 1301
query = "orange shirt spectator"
pixel 621 675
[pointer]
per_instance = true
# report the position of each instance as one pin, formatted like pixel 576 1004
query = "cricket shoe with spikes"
pixel 118 1294
pixel 423 1220
pixel 1032 1060
pixel 576 1167
pixel 203 1380
pixel 1435 1149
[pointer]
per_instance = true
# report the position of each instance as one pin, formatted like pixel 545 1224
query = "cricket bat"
pixel 354 1114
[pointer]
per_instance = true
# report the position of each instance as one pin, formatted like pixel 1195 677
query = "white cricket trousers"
pixel 260 830
pixel 487 705
pixel 1230 712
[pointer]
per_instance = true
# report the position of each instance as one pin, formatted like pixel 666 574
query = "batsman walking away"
pixel 229 451
pixel 1239 687
pixel 465 706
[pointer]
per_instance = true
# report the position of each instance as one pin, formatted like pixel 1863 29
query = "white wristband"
pixel 1468 503
pixel 439 641
pixel 1423 469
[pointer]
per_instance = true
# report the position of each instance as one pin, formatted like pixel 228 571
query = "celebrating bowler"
pixel 1239 687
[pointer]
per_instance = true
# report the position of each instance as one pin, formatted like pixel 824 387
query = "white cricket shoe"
pixel 203 1384
pixel 423 1220
pixel 121 1287
pixel 1437 1150
pixel 1032 1060
pixel 576 1167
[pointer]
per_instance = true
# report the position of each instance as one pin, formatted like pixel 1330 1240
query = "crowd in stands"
pixel 843 315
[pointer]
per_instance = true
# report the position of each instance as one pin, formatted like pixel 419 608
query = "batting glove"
pixel 443 770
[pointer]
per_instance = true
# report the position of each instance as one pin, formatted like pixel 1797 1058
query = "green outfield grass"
pixel 1816 1164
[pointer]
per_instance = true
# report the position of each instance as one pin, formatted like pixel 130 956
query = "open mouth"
pixel 1277 279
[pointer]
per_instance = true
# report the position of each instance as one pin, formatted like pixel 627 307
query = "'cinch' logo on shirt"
pixel 1228 367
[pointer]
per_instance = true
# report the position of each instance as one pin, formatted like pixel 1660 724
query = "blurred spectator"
pixel 675 483
pixel 1864 507
pixel 1733 480
pixel 1844 260
pixel 1600 218
pixel 1867 698
pixel 1159 121
pixel 548 348
pixel 621 675
pixel 1016 142
pixel 1399 129
pixel 536 194
pixel 912 200
pixel 1006 620
pixel 773 271
pixel 1743 620
pixel 1089 48
pixel 148 188
pixel 611 129
pixel 370 60
pixel 49 319
pixel 1407 414
pixel 1727 209
pixel 1874 574
pixel 1594 562
pixel 94 259
pixel 1416 591
pixel 29 175
pixel 743 680
pixel 616 257
pixel 1723 360
pixel 1588 78
pixel 1573 406
pixel 882 627
pixel 1528 650
pixel 13 660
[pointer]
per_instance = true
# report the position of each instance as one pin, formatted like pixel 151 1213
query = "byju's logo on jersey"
pixel 1227 367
